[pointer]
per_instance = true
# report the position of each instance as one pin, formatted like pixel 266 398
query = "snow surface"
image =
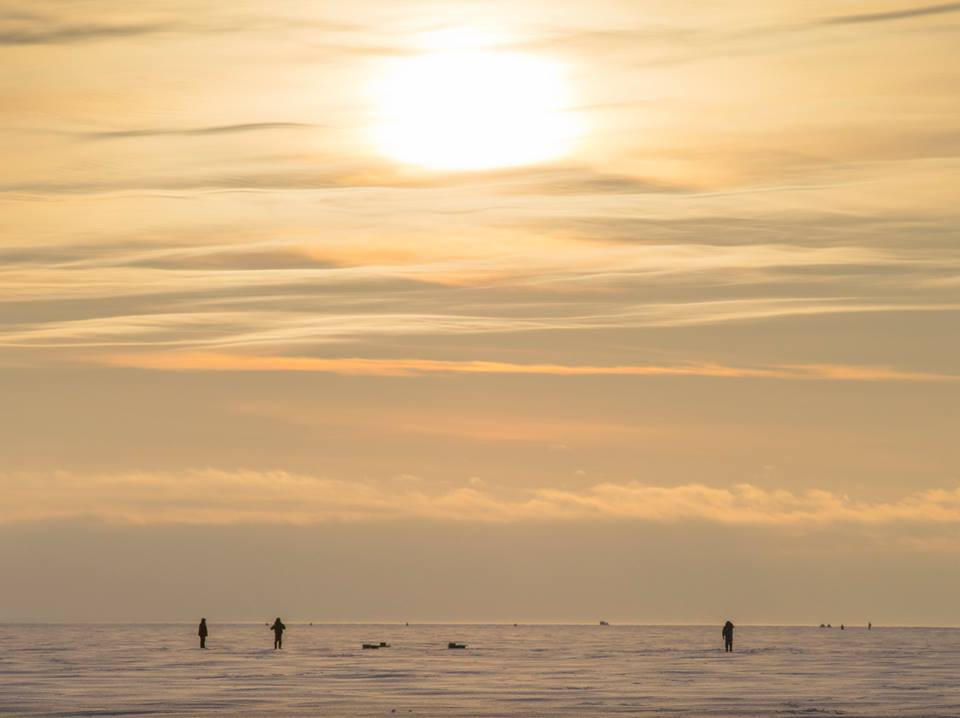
pixel 159 669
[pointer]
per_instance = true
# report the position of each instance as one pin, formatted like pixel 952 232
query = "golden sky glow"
pixel 688 270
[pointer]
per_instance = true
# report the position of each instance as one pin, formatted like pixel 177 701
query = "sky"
pixel 480 311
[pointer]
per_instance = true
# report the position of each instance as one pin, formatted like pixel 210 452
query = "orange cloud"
pixel 211 496
pixel 217 361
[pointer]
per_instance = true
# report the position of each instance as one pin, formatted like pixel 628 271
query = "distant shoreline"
pixel 493 624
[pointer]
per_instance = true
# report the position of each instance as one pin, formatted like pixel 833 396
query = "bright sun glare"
pixel 474 109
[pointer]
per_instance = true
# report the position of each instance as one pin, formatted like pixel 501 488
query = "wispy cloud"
pixel 87 22
pixel 209 496
pixel 526 261
pixel 196 131
pixel 207 330
pixel 186 361
pixel 905 14
pixel 51 32
pixel 329 174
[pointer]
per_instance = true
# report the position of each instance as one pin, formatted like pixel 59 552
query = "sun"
pixel 474 110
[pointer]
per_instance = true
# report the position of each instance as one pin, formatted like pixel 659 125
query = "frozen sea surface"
pixel 158 669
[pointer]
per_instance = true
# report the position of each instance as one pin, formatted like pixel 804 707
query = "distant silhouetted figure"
pixel 842 627
pixel 202 632
pixel 727 637
pixel 278 628
pixel 869 626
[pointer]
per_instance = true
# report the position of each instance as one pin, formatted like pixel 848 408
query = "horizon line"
pixel 507 624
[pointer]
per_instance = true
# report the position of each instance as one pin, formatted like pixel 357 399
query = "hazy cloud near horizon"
pixel 215 497
pixel 732 305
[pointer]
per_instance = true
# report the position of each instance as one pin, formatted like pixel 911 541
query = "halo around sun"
pixel 473 110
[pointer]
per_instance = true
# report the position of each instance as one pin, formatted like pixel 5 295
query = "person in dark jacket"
pixel 727 637
pixel 202 632
pixel 278 628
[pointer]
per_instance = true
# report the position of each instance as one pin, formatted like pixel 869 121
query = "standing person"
pixel 727 637
pixel 278 629
pixel 202 632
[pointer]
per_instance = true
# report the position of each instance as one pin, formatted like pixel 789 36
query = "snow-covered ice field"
pixel 158 669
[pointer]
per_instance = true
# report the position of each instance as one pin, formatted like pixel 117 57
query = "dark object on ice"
pixel 823 625
pixel 829 626
pixel 842 627
pixel 371 646
pixel 453 644
pixel 384 644
pixel 278 628
pixel 604 623
pixel 869 626
pixel 202 632
pixel 727 633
